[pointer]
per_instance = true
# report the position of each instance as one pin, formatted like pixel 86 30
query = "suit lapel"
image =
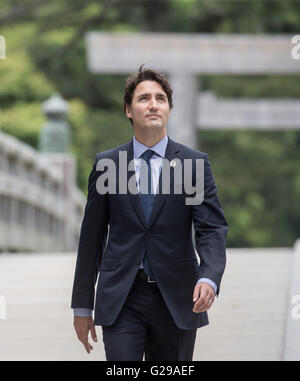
pixel 134 198
pixel 171 151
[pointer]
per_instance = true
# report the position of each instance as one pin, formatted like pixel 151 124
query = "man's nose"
pixel 153 103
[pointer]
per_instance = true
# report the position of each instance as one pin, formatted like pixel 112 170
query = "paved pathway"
pixel 247 321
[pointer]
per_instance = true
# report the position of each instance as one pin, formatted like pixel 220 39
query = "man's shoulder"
pixel 185 151
pixel 188 152
pixel 112 153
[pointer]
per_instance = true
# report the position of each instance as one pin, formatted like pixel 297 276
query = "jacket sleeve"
pixel 92 242
pixel 210 230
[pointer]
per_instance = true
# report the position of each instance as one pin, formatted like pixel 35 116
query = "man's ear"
pixel 128 111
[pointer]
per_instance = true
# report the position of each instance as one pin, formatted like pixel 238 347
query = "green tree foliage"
pixel 256 172
pixel 258 179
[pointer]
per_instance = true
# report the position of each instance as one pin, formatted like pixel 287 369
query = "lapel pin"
pixel 172 164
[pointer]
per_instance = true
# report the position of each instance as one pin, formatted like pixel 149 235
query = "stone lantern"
pixel 55 133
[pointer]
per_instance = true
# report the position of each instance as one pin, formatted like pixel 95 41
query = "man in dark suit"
pixel 152 294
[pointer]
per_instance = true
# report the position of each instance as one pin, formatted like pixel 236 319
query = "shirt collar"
pixel 159 148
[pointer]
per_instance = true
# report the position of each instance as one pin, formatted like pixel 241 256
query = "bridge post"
pixel 54 144
pixel 292 335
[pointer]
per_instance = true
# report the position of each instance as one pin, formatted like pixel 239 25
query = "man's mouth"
pixel 157 116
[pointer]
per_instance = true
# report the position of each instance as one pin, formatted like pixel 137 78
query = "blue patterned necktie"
pixel 147 199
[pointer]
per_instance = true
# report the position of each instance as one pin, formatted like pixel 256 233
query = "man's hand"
pixel 203 297
pixel 82 327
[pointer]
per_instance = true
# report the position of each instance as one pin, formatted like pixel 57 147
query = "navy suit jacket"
pixel 114 236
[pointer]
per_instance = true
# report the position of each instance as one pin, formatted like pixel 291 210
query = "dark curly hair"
pixel 146 75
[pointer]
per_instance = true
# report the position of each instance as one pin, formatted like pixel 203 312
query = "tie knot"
pixel 147 155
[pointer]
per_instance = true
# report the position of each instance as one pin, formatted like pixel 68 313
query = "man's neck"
pixel 149 141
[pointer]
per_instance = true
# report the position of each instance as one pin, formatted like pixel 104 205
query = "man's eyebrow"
pixel 147 94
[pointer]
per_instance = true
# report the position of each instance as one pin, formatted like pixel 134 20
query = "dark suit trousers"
pixel 145 327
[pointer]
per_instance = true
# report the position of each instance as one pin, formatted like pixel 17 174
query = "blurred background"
pixel 58 108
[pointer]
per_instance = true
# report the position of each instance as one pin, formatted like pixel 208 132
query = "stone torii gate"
pixel 183 57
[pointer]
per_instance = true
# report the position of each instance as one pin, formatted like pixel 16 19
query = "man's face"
pixel 149 107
